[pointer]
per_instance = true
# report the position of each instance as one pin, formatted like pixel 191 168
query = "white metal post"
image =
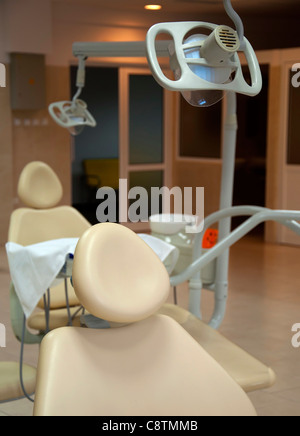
pixel 230 127
pixel 226 198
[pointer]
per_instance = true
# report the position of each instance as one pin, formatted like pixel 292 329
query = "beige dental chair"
pixel 41 220
pixel 40 190
pixel 147 365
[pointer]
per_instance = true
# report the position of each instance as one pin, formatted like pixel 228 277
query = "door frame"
pixel 168 139
pixel 288 171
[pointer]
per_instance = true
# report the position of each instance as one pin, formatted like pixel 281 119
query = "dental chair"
pixel 40 190
pixel 146 364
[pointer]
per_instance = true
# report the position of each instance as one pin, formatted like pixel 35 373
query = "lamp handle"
pixel 177 31
pixel 188 80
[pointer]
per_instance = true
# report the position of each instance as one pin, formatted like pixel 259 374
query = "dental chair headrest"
pixel 117 276
pixel 39 187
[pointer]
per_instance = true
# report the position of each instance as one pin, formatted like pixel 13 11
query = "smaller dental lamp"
pixel 74 114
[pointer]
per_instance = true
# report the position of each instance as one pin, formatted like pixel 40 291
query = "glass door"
pixel 145 145
pixel 291 147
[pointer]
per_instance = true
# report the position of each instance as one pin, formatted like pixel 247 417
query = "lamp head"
pixel 220 45
pixel 216 49
pixel 72 115
pixel 204 66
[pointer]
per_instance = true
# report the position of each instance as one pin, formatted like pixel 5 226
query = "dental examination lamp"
pixel 207 66
pixel 204 66
pixel 73 115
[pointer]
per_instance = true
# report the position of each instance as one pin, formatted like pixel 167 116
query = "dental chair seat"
pixel 57 318
pixel 149 367
pixel 10 387
pixel 58 297
pixel 246 370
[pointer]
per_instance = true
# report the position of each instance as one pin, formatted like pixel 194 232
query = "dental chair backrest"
pixel 149 367
pixel 40 191
pixel 41 219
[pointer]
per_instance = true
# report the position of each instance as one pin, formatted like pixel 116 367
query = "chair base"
pixel 245 369
pixel 10 386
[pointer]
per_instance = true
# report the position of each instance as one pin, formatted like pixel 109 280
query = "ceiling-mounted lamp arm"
pixel 129 49
pixel 80 78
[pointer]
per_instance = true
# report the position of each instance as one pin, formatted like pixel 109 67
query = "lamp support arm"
pixel 226 198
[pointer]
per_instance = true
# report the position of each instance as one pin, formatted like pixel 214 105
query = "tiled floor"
pixel 263 305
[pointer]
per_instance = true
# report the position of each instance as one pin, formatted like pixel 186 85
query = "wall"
pixel 194 174
pixel 37 137
pixel 205 170
pixel 28 26
pixel 84 23
pixel 3 57
pixel 6 162
pixel 284 177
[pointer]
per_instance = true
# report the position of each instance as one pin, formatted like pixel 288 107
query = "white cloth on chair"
pixel 168 254
pixel 35 268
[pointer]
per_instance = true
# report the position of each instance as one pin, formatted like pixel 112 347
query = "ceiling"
pixel 191 6
pixel 268 23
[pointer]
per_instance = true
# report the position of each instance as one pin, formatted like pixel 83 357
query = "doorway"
pixel 290 143
pixel 133 127
pixel 102 142
pixel 145 136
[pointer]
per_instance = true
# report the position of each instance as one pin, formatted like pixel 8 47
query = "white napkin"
pixel 167 253
pixel 34 268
